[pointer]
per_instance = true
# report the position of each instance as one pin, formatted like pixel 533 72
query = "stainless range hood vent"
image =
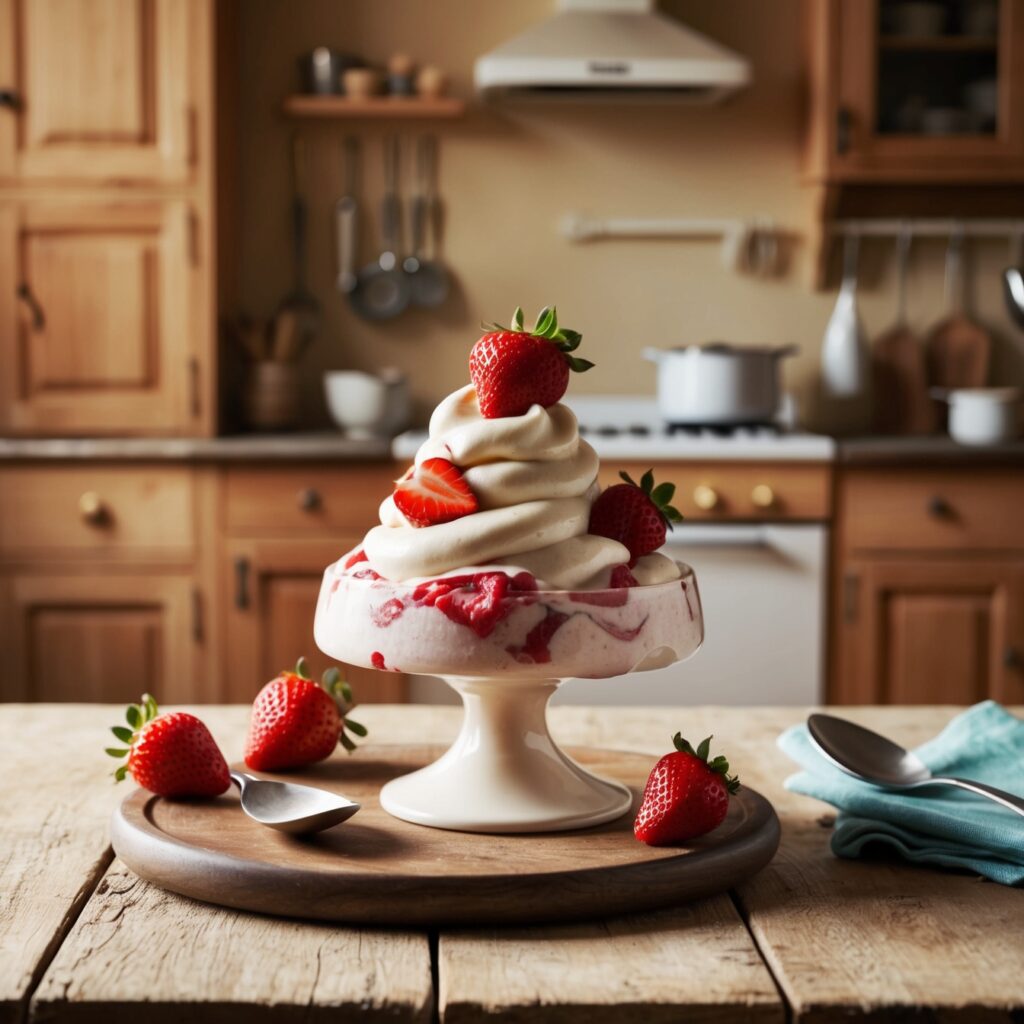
pixel 612 50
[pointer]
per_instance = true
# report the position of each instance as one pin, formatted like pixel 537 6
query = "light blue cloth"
pixel 931 826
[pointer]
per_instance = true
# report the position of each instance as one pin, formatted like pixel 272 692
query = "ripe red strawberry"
pixel 296 721
pixel 513 369
pixel 685 796
pixel 170 755
pixel 635 514
pixel 434 492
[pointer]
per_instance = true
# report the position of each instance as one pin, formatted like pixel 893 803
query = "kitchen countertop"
pixel 811 937
pixel 321 446
pixel 923 451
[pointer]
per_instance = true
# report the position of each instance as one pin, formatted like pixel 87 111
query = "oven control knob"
pixel 762 496
pixel 92 509
pixel 705 498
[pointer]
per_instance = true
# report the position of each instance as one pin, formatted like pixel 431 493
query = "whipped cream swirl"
pixel 534 479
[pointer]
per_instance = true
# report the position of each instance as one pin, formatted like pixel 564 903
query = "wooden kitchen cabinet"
pixel 273 593
pixel 875 91
pixel 101 636
pixel 97 318
pixel 928 600
pixel 98 90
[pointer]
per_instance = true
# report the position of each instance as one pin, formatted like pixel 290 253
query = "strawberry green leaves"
pixel 660 495
pixel 546 326
pixel 718 764
pixel 334 683
pixel 137 716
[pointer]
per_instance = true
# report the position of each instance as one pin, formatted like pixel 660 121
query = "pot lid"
pixel 726 348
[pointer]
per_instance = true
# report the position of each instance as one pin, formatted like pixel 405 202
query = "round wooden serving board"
pixel 375 869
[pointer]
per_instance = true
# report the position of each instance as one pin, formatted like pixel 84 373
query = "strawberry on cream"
pixel 535 481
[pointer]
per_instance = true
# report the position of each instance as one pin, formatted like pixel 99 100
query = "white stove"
pixel 629 427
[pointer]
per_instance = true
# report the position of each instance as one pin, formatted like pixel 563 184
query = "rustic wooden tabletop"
pixel 812 938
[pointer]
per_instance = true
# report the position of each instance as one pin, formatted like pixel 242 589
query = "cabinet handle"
pixel 195 404
pixel 939 508
pixel 197 615
pixel 92 509
pixel 705 497
pixel 38 317
pixel 851 597
pixel 309 499
pixel 1012 658
pixel 844 130
pixel 10 99
pixel 762 496
pixel 242 583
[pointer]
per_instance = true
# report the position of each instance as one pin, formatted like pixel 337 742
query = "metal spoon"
pixel 1013 282
pixel 872 758
pixel 289 807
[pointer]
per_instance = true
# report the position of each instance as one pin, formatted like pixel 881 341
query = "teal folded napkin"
pixel 939 825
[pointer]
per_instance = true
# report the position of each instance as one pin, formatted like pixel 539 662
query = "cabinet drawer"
pixel 318 498
pixel 741 491
pixel 124 510
pixel 896 509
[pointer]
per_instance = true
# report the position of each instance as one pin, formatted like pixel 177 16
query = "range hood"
pixel 612 50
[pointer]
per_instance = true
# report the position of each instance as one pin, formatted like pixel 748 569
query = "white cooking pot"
pixel 982 416
pixel 718 383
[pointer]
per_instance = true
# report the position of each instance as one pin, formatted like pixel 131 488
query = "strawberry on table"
pixel 686 795
pixel 513 368
pixel 296 721
pixel 635 515
pixel 434 492
pixel 171 754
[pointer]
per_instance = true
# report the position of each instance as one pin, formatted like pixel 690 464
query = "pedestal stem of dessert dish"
pixel 504 772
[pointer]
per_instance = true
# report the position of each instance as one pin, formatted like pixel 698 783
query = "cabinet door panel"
pixel 930 632
pixel 96 313
pixel 275 585
pixel 109 638
pixel 103 88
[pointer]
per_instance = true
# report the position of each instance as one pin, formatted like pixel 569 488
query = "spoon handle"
pixel 999 796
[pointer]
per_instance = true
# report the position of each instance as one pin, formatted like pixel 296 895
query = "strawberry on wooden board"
pixel 635 515
pixel 434 492
pixel 296 721
pixel 171 754
pixel 513 368
pixel 686 795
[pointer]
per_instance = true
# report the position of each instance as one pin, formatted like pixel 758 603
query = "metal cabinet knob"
pixel 309 499
pixel 706 498
pixel 939 508
pixel 762 496
pixel 10 99
pixel 92 509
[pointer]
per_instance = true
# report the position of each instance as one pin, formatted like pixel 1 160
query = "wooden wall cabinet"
pixel 97 317
pixel 97 90
pixel 875 91
pixel 929 587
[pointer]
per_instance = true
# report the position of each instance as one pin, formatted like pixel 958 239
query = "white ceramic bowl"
pixel 983 416
pixel 357 402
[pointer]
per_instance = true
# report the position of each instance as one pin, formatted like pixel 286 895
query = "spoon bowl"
pixel 289 807
pixel 874 759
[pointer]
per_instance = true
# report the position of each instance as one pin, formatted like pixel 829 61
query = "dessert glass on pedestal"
pixel 505 647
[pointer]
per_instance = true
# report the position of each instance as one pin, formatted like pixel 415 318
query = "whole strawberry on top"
pixel 636 515
pixel 686 795
pixel 171 754
pixel 296 721
pixel 513 368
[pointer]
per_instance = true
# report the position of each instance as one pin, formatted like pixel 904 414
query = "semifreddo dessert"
pixel 497 551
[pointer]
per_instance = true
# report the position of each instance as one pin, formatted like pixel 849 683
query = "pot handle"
pixel 786 350
pixel 653 355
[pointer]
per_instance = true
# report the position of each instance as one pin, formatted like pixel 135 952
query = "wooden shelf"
pixel 938 44
pixel 376 107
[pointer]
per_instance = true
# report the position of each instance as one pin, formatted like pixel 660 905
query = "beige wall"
pixel 507 179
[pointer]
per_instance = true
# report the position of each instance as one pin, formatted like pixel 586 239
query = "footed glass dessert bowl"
pixel 505 647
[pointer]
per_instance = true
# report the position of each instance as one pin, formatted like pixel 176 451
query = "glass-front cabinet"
pixel 916 90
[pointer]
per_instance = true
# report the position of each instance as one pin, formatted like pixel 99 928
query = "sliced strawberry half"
pixel 435 492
